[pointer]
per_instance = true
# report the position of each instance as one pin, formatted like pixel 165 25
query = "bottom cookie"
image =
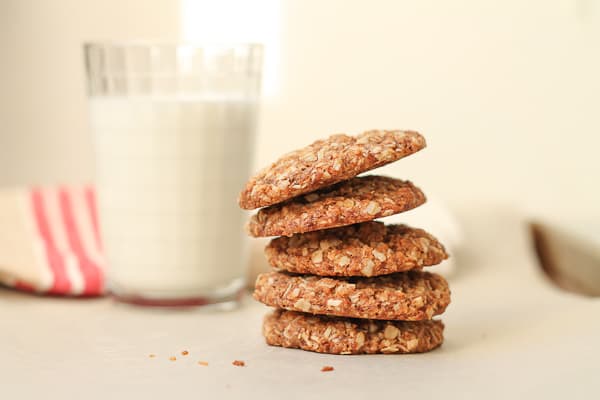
pixel 335 335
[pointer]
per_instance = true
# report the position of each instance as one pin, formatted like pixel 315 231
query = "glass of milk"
pixel 174 127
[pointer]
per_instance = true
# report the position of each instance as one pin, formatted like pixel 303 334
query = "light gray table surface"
pixel 508 333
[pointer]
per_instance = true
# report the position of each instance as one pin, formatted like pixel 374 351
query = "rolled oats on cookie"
pixel 371 248
pixel 342 282
pixel 335 335
pixel 356 200
pixel 326 162
pixel 406 296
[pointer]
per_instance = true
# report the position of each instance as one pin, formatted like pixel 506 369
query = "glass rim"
pixel 171 44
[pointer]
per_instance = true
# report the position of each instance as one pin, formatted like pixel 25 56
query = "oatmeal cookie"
pixel 325 162
pixel 365 249
pixel 406 296
pixel 336 335
pixel 356 200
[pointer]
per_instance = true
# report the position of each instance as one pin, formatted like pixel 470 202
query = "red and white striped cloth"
pixel 50 241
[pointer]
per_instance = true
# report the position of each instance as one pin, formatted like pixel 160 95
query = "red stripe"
pixel 90 198
pixel 61 283
pixel 24 286
pixel 92 277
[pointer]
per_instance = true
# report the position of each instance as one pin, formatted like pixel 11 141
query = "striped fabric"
pixel 50 242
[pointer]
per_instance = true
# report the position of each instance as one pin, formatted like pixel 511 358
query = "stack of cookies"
pixel 343 283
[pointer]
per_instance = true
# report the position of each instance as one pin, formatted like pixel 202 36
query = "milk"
pixel 168 174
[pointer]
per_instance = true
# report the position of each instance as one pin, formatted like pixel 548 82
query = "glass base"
pixel 225 298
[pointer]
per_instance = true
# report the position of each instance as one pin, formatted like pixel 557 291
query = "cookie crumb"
pixel 172 358
pixel 203 363
pixel 185 353
pixel 239 363
pixel 327 368
pixel 151 355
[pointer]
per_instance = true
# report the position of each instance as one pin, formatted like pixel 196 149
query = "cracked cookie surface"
pixel 356 200
pixel 365 249
pixel 405 296
pixel 325 162
pixel 335 335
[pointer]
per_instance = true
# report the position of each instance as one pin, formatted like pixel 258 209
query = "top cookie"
pixel 359 199
pixel 326 162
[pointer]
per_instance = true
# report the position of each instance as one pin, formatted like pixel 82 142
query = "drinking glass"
pixel 174 129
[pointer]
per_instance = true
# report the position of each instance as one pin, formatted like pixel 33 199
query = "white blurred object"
pixel 257 21
pixel 433 216
pixel 257 260
pixel 173 135
pixel 436 219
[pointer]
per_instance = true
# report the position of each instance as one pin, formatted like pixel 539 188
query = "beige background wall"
pixel 507 93
pixel 44 134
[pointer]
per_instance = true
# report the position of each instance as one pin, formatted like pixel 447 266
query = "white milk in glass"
pixel 169 171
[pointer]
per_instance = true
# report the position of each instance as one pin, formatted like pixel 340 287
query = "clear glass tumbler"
pixel 174 127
